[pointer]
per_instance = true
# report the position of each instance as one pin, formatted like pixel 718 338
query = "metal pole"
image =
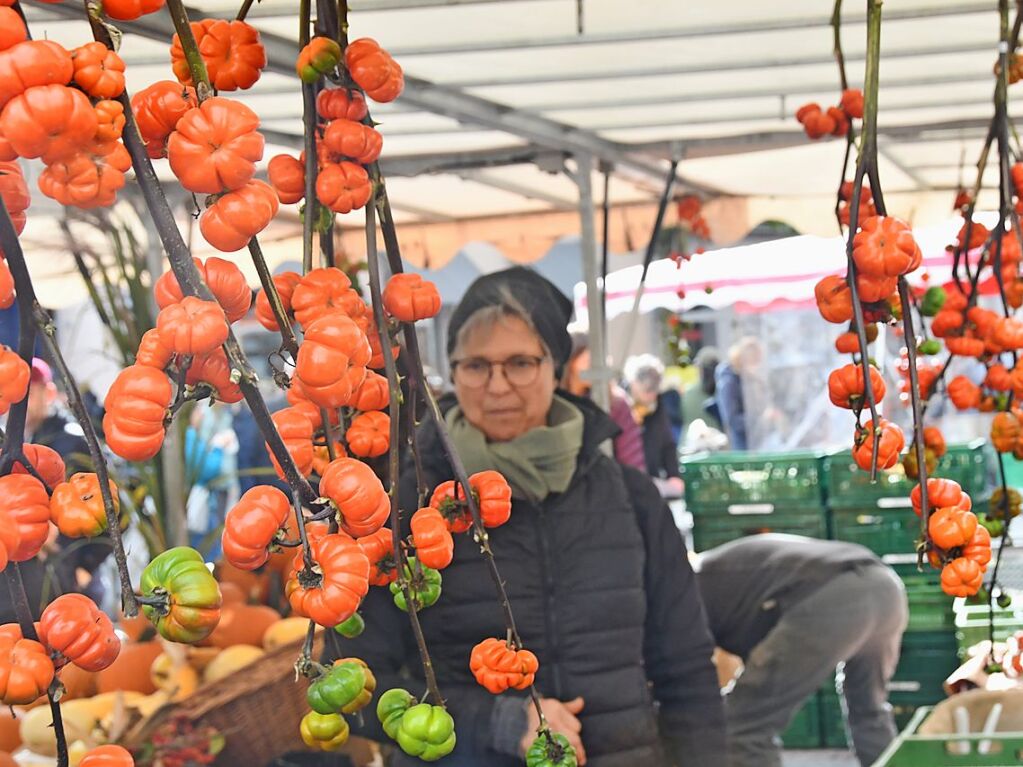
pixel 651 246
pixel 599 373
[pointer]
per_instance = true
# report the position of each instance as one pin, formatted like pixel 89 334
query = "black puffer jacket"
pixel 603 594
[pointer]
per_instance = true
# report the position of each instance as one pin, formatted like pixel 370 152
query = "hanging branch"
pixel 311 209
pixel 373 261
pixel 274 298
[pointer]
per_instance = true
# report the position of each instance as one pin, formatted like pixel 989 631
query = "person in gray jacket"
pixel 793 609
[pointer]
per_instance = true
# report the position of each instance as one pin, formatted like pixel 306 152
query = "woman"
pixel 595 569
pixel 643 375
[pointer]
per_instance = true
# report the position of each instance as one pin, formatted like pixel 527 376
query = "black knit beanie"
pixel 546 307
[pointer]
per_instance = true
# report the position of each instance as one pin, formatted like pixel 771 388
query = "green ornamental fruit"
pixel 1004 600
pixel 930 346
pixel 933 300
pixel 427 732
pixel 192 597
pixel 337 688
pixel 391 708
pixel 352 627
pixel 424 583
pixel 552 751
pixel 994 527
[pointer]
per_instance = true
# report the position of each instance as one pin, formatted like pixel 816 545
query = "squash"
pixel 77 682
pixel 243 624
pixel 131 669
pixel 255 586
pixel 286 631
pixel 6 760
pixel 231 660
pixel 231 593
pixel 37 733
pixel 137 629
pixel 174 675
pixel 10 724
pixel 200 657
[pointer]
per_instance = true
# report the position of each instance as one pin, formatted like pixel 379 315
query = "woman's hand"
pixel 561 718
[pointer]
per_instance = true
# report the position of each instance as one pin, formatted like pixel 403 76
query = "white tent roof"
pixel 769 275
pixel 496 84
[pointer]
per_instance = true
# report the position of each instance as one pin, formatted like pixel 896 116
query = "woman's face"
pixel 497 408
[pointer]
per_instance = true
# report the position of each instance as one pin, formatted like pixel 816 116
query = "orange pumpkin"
pixel 214 148
pixel 14 191
pixel 872 289
pixel 998 378
pixel 285 283
pixel 1005 432
pixel 946 322
pixel 934 440
pixel 332 595
pixel 31 64
pixel 353 140
pixel 158 109
pixel 379 549
pixel 109 755
pixel 231 50
pixel 129 10
pixel 10 537
pixel 498 666
pixel 373 393
pixel 76 506
pixel 964 346
pixel 978 548
pixel 243 624
pixel 332 360
pixel 14 378
pixel 963 393
pixel 369 435
pixel 49 121
pixel 408 297
pixel 287 177
pixel 493 495
pixel 25 668
pixel 342 187
pixel 111 120
pixel 318 57
pixel 846 388
pixel 941 492
pixel 252 525
pixel 98 70
pixel 75 627
pixel 341 104
pixel 12 32
pixel 214 369
pixel 238 216
pixel 135 408
pixel 25 501
pixel 374 70
pixel 45 460
pixel 130 671
pixel 890 444
pixel 951 527
pixel 362 503
pixel 297 432
pixel 884 247
pixel 432 539
pixel 834 299
pixel 83 180
pixel 324 291
pixel 152 353
pixel 961 577
pixel 225 280
pixel 192 326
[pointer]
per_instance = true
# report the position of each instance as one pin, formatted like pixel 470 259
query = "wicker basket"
pixel 257 711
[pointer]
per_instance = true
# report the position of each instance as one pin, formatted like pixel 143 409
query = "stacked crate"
pixel 732 495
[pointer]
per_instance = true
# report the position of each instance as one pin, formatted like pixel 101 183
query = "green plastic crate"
pixel 725 526
pixel 883 531
pixel 760 480
pixel 971 622
pixel 804 731
pixel 848 486
pixel 832 720
pixel 930 609
pixel 912 750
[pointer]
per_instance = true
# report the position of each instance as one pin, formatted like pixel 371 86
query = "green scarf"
pixel 537 463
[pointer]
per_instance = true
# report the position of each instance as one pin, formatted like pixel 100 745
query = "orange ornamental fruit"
pixel 192 326
pixel 158 109
pixel 498 666
pixel 430 535
pixel 232 51
pixel 332 359
pixel 214 148
pixel 332 595
pixel 951 527
pixel 14 378
pixel 45 460
pixel 285 282
pixel 238 216
pixel 252 526
pixel 136 405
pixel 129 10
pixel 961 577
pixel 834 299
pixel 33 63
pixel 884 247
pixel 941 492
pixel 890 443
pixel 73 626
pixel 372 394
pixel 363 504
pixel 98 70
pixel 379 549
pixel 353 140
pixel 287 177
pixel 225 280
pixel 343 187
pixel 25 502
pixel 324 291
pixel 374 70
pixel 341 104
pixel 49 121
pixel 369 435
pixel 25 668
pixel 963 393
pixel 408 297
pixel 846 387
pixel 76 506
pixel 296 431
pixel 214 369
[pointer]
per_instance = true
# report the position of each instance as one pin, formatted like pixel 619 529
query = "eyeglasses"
pixel 474 372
